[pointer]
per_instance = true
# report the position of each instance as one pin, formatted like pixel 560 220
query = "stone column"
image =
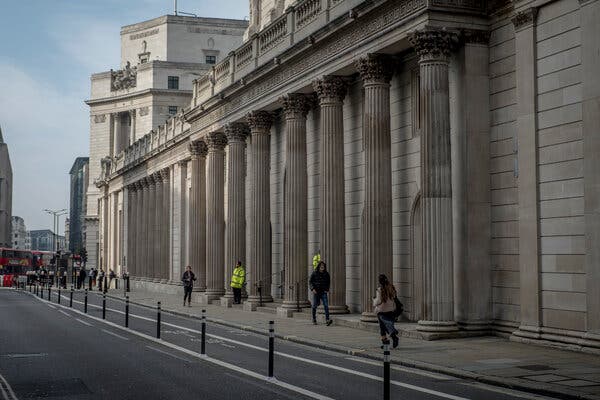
pixel 331 91
pixel 180 192
pixel 131 237
pixel 235 230
pixel 165 226
pixel 151 215
pixel 158 211
pixel 198 150
pixel 215 224
pixel 376 72
pixel 296 259
pixel 139 229
pixel 259 220
pixel 433 48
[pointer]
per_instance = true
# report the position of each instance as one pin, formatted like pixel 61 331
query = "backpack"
pixel 399 307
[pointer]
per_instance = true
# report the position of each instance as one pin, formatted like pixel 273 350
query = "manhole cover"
pixel 42 389
pixel 536 367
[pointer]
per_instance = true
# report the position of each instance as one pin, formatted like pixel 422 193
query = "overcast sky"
pixel 48 50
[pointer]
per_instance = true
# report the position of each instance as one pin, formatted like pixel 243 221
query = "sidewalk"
pixel 493 360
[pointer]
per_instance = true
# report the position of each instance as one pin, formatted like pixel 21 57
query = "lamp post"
pixel 56 214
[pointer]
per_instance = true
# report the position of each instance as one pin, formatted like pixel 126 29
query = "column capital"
pixel 525 18
pixel 151 180
pixel 164 173
pixel 433 44
pixel 296 105
pixel 198 148
pixel 236 132
pixel 330 88
pixel 144 183
pixel 157 177
pixel 260 121
pixel 215 141
pixel 375 68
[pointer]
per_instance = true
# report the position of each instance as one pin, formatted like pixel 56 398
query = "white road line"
pixel 7 390
pixel 169 354
pixel 67 314
pixel 114 334
pixel 83 322
pixel 51 306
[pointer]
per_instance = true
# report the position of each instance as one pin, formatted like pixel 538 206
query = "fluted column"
pixel 151 212
pixel 331 91
pixel 235 230
pixel 165 226
pixel 136 237
pixel 376 72
pixel 433 48
pixel 215 213
pixel 131 237
pixel 145 228
pixel 295 107
pixel 198 150
pixel 259 220
pixel 158 227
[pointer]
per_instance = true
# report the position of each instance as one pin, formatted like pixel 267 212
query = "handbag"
pixel 399 307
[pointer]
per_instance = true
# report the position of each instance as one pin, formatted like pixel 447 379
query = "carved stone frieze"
pixel 215 141
pixel 475 36
pixel 375 68
pixel 99 118
pixel 144 111
pixel 525 18
pixel 124 78
pixel 260 121
pixel 330 88
pixel 236 132
pixel 198 148
pixel 433 43
pixel 296 105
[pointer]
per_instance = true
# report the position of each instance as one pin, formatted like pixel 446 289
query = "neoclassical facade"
pixel 452 146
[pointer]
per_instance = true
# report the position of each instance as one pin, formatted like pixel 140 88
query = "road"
pixel 53 351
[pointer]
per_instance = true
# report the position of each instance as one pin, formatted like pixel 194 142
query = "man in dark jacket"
pixel 188 279
pixel 319 286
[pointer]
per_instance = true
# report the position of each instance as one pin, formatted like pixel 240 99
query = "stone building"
pixel 452 146
pixel 77 205
pixel 19 233
pixel 46 240
pixel 159 60
pixel 5 194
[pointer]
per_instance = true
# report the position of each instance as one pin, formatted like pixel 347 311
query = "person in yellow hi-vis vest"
pixel 238 279
pixel 316 259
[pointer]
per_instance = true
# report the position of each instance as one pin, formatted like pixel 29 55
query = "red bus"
pixel 42 258
pixel 14 262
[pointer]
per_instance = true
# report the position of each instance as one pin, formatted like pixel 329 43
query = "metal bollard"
pixel 59 295
pixel 49 292
pixel 71 299
pixel 104 306
pixel 271 347
pixel 85 303
pixel 42 292
pixel 126 311
pixel 386 371
pixel 203 343
pixel 158 321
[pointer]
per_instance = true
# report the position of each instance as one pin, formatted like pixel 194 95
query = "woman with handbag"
pixel 385 307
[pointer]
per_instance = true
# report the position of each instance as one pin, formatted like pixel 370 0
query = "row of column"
pixel 148 222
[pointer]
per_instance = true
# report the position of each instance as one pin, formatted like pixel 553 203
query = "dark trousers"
pixel 187 294
pixel 386 323
pixel 237 295
pixel 318 298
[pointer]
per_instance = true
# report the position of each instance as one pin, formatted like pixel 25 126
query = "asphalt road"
pixel 51 351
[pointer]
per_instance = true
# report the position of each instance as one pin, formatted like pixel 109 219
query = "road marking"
pixel 169 354
pixel 51 306
pixel 403 369
pixel 67 314
pixel 7 391
pixel 25 355
pixel 114 334
pixel 83 322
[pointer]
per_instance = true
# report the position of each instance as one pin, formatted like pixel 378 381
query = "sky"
pixel 48 50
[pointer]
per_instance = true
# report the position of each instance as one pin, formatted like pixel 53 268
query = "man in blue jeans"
pixel 319 286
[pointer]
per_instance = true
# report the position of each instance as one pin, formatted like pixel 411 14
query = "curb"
pixel 509 383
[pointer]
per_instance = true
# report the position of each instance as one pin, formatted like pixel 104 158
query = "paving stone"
pixel 546 378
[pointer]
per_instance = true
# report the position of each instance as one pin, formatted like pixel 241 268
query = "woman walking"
pixel 384 308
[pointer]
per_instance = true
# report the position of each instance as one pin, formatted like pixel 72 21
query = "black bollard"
pixel 71 299
pixel 49 292
pixel 158 321
pixel 59 295
pixel 386 371
pixel 42 292
pixel 85 303
pixel 104 306
pixel 271 347
pixel 105 284
pixel 126 311
pixel 203 343
pixel 260 294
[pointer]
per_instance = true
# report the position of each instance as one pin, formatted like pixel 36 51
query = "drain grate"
pixel 536 367
pixel 43 389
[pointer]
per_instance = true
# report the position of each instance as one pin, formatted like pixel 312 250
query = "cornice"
pixel 141 93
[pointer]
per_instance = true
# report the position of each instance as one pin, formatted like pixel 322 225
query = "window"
pixel 211 59
pixel 173 82
pixel 172 110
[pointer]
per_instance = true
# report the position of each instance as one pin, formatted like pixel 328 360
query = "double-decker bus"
pixel 14 263
pixel 42 258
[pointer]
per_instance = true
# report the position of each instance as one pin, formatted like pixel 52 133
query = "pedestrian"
pixel 385 307
pixel 101 279
pixel 188 279
pixel 111 276
pixel 81 281
pixel 319 286
pixel 238 280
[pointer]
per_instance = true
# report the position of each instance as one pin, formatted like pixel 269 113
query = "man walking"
pixel 188 284
pixel 238 279
pixel 319 286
